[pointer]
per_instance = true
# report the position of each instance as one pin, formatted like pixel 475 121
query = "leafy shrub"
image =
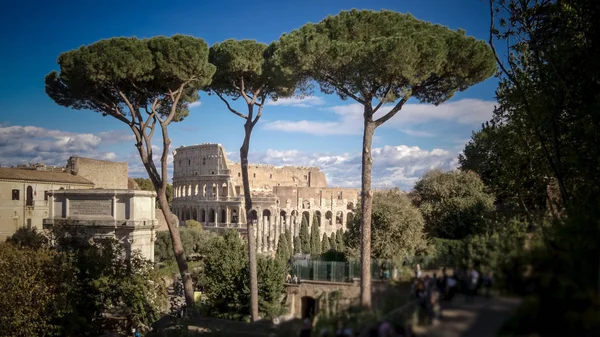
pixel 27 237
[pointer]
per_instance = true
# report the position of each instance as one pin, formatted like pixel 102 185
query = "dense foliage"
pixel 454 204
pixel 225 280
pixel 67 292
pixel 397 228
pixel 193 240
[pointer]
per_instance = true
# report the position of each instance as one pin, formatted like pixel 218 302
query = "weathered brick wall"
pixel 104 174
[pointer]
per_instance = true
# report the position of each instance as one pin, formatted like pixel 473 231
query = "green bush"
pixel 27 237
pixel 194 242
pixel 447 252
pixel 193 224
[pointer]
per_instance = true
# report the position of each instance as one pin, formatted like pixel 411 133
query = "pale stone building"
pixel 126 215
pixel 40 196
pixel 208 188
pixel 24 189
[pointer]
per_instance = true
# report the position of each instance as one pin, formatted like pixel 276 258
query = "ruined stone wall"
pixel 199 160
pixel 104 174
pixel 265 177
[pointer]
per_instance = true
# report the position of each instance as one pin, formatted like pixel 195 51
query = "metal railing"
pixel 333 271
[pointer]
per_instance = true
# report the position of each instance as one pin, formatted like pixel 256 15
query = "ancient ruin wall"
pixel 104 174
pixel 265 177
pixel 199 160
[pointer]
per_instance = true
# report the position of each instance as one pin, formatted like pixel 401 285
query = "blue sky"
pixel 320 130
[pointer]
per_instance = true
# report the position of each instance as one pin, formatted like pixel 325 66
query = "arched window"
pixel 29 201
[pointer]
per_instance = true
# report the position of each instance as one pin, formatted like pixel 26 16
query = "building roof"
pixel 7 173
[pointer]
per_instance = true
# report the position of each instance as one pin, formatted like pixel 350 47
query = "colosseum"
pixel 208 188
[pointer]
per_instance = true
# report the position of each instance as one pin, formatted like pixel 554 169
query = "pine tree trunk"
pixel 188 286
pixel 366 208
pixel 249 224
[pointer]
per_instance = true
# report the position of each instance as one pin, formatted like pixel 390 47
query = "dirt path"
pixel 481 318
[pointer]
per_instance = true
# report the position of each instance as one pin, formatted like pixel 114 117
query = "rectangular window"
pixel 15 194
pixel 46 195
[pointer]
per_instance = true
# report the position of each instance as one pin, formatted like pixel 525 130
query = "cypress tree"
pixel 325 247
pixel 288 242
pixel 304 236
pixel 282 253
pixel 340 245
pixel 333 242
pixel 316 220
pixel 315 240
pixel 297 245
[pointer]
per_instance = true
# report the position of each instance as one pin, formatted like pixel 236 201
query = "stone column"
pixel 227 216
pixel 259 234
pixel 274 231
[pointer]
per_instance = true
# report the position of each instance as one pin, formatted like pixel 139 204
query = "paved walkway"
pixel 482 318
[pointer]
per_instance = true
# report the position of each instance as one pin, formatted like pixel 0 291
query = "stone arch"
pixel 282 217
pixel 196 190
pixel 309 307
pixel 266 212
pixel 294 213
pixel 328 216
pixel 214 190
pixel 202 215
pixel 338 217
pixel 189 188
pixel 29 199
pixel 195 214
pixel 224 191
pixel 305 204
pixel 318 215
pixel 212 214
pixel 223 216
pixel 349 216
pixel 350 206
pixel 306 214
pixel 204 190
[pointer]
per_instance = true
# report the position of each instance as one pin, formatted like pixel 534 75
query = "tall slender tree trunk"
pixel 249 223
pixel 366 208
pixel 188 286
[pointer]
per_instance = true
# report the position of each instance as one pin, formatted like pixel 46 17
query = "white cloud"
pixel 32 144
pixel 195 104
pixel 349 119
pixel 393 166
pixel 303 102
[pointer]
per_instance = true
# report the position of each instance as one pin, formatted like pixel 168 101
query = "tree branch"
pixel 243 91
pixel 260 108
pixel 229 106
pixel 134 112
pixel 344 90
pixel 392 112
pixel 387 91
